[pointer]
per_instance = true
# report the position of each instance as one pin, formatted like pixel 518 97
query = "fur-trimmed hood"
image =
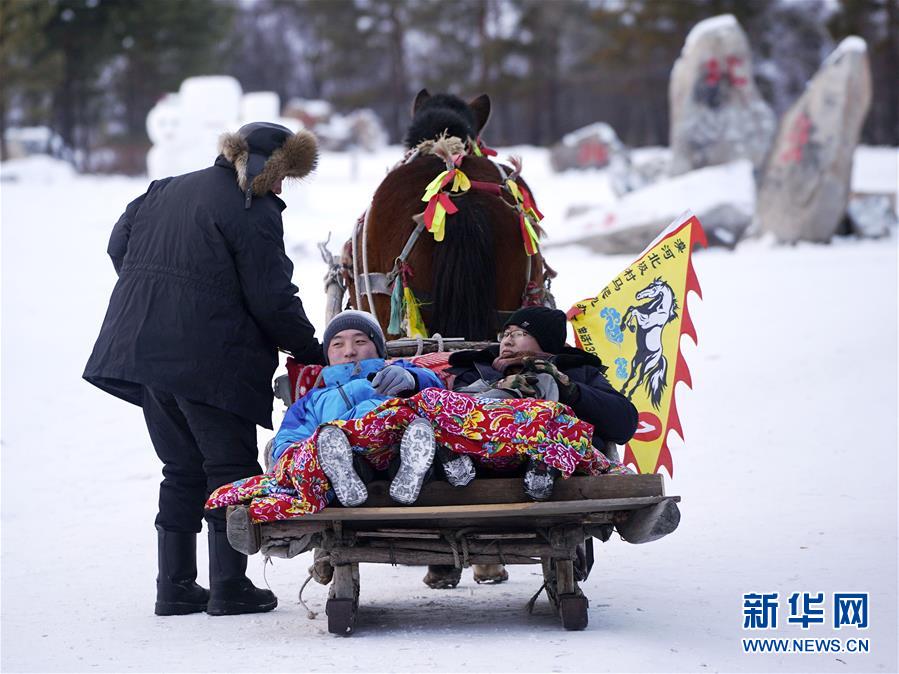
pixel 295 158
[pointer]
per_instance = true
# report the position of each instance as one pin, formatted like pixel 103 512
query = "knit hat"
pixel 264 153
pixel 356 320
pixel 546 325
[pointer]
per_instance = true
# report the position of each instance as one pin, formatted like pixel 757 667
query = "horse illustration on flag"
pixel 634 325
pixel 648 321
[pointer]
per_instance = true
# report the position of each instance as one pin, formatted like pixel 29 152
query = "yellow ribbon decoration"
pixel 531 233
pixel 434 186
pixel 461 183
pixel 438 223
pixel 413 315
pixel 513 188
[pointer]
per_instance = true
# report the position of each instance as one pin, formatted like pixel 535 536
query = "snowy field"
pixel 788 475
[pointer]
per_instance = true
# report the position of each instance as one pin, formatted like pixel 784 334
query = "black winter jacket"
pixel 613 416
pixel 204 297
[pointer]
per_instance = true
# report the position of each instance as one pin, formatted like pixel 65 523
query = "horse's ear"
pixel 420 98
pixel 481 108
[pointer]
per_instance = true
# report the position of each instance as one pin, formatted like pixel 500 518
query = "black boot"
pixel 177 593
pixel 230 591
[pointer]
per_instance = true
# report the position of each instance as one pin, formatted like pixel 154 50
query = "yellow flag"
pixel 634 325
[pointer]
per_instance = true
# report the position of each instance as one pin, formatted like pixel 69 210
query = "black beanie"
pixel 355 320
pixel 545 325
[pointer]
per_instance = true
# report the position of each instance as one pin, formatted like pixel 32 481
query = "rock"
pixel 722 197
pixel 717 113
pixel 871 216
pixel 596 146
pixel 805 188
pixel 592 146
pixel 725 224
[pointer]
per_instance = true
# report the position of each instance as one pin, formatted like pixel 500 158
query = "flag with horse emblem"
pixel 634 325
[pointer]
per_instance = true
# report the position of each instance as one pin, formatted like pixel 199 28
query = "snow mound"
pixel 36 169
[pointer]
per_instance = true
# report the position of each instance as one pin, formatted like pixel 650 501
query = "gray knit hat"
pixel 355 320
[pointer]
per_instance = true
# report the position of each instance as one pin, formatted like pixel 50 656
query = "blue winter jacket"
pixel 347 394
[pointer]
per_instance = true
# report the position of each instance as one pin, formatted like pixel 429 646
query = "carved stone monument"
pixel 805 187
pixel 717 113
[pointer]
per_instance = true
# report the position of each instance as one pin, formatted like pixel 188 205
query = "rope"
pixel 452 544
pixel 533 600
pixel 310 614
pixel 439 339
pixel 420 346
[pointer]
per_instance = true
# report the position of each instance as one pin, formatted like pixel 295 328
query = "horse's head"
pixel 445 113
pixel 654 289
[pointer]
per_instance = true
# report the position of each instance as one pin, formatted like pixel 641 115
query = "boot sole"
pixel 538 486
pixel 417 450
pixel 238 608
pixel 459 471
pixel 164 608
pixel 336 457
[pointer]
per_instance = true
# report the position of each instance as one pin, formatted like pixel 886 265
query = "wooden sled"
pixel 490 521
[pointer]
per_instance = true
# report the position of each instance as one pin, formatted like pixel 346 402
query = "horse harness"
pixel 379 283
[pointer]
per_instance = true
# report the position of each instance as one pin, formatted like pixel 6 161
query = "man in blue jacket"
pixel 355 382
pixel 203 301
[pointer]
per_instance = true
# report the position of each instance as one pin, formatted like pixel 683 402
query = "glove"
pixel 521 385
pixel 568 390
pixel 393 380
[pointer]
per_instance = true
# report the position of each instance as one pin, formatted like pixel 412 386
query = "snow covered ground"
pixel 788 474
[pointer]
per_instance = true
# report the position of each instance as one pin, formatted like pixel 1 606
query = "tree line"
pixel 92 69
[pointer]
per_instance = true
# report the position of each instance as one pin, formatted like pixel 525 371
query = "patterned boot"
pixel 336 457
pixel 458 468
pixel 416 456
pixel 539 480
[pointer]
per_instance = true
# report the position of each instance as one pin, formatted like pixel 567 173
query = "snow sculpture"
pixel 185 127
pixel 717 113
pixel 805 188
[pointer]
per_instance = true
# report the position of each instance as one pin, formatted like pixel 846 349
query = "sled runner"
pixel 489 521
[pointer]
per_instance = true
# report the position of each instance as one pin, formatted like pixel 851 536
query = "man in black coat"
pixel 203 301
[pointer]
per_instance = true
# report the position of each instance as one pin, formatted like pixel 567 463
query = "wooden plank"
pixel 530 509
pixel 417 558
pixel 521 549
pixel 511 490
pixel 295 527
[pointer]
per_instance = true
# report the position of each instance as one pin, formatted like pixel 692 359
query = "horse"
pixel 465 285
pixel 648 320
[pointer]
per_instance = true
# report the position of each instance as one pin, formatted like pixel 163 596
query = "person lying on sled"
pixel 543 435
pixel 356 381
pixel 532 361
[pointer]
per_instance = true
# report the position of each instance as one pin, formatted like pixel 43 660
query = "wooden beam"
pixel 494 510
pixel 651 523
pixel 511 490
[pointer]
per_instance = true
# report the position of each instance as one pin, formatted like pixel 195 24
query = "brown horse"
pixel 468 283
